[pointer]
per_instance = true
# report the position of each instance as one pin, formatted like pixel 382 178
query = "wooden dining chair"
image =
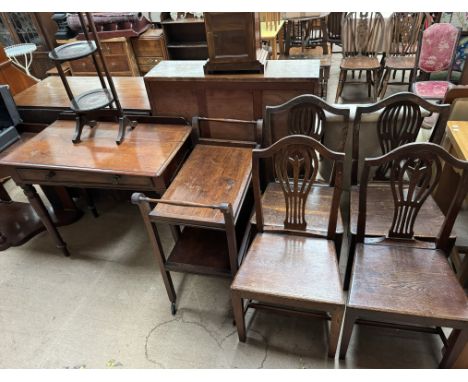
pixel 206 206
pixel 333 24
pixel 362 36
pixel 399 123
pixel 306 115
pixel 398 280
pixel 436 53
pixel 291 266
pixel 403 45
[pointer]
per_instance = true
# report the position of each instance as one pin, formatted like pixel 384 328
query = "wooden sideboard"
pixel 180 88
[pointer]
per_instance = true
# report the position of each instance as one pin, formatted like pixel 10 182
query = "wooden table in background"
pixel 42 103
pixel 180 88
pixel 146 161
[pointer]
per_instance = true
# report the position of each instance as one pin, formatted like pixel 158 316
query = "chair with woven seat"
pixel 401 55
pixel 400 120
pixel 436 53
pixel 398 280
pixel 362 34
pixel 290 266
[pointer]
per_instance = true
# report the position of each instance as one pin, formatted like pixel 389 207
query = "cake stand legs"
pixel 81 121
pixel 124 122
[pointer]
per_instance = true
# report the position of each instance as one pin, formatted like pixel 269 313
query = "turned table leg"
pixel 43 214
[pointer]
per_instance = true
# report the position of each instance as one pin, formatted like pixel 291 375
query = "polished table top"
pixel 457 132
pixel 275 70
pixel 50 92
pixel 146 151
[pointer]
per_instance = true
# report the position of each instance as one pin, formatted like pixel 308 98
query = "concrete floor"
pixel 106 306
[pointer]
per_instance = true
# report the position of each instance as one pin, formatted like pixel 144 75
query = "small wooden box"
pixel 234 43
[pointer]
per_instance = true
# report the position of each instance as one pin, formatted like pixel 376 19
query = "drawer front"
pixel 113 48
pixel 148 48
pixel 82 178
pixel 84 65
pixel 148 60
pixel 118 64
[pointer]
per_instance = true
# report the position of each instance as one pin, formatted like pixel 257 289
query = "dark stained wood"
pixel 303 114
pixel 401 55
pixel 146 152
pixel 147 160
pixel 317 209
pixel 398 279
pixel 185 257
pixel 290 267
pixel 298 268
pixel 406 280
pixel 380 213
pixel 234 42
pixel 399 123
pixel 210 193
pixel 228 96
pixel 211 174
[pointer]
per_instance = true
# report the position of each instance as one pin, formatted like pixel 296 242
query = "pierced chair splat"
pixel 398 280
pixel 289 267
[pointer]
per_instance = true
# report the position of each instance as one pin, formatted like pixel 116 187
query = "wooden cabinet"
pixel 234 43
pixel 24 27
pixel 186 38
pixel 119 56
pixel 181 88
pixel 149 49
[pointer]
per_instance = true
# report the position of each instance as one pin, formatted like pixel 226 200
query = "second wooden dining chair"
pixel 398 280
pixel 291 266
pixel 362 35
pixel 399 122
pixel 310 116
pixel 402 47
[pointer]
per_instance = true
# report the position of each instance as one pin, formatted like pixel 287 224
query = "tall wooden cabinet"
pixel 23 27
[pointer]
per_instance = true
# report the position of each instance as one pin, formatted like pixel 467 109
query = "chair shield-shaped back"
pixel 295 164
pixel 437 47
pixel 415 171
pixel 362 33
pixel 399 122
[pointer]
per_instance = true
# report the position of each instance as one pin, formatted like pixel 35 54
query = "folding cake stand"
pixel 91 104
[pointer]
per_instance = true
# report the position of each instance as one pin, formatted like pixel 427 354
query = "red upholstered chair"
pixel 436 53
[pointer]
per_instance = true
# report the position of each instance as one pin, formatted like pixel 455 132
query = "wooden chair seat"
pixel 380 213
pixel 317 210
pixel 406 281
pixel 210 175
pixel 297 268
pixel 360 63
pixel 400 62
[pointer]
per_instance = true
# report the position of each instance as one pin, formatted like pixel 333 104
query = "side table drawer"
pixel 71 178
